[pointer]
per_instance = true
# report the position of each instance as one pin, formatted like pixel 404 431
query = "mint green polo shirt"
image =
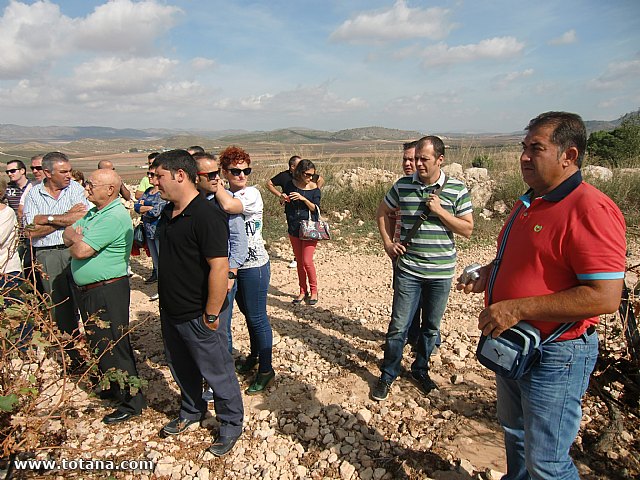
pixel 110 233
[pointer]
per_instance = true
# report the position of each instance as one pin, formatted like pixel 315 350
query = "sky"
pixel 430 66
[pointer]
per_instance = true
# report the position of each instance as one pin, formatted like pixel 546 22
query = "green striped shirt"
pixel 432 252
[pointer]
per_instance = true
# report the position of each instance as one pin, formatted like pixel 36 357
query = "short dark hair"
pixel 175 160
pixel 409 145
pixel 302 167
pixel 152 155
pixel 20 163
pixel 438 144
pixel 196 149
pixel 568 131
pixel 52 157
pixel 293 159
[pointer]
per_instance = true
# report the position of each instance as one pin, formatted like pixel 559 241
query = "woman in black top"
pixel 303 197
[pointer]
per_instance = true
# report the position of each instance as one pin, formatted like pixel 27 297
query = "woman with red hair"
pixel 253 276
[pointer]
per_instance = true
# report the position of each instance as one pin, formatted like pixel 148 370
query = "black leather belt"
pixel 90 286
pixel 62 246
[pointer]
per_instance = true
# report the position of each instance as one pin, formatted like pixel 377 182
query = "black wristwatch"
pixel 232 276
pixel 210 318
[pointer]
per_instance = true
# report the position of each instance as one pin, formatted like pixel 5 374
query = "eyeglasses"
pixel 216 174
pixel 11 170
pixel 308 175
pixel 151 174
pixel 237 171
pixel 35 167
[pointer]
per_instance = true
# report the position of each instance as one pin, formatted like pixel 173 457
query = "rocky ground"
pixel 317 420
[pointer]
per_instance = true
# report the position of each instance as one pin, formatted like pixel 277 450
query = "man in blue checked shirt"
pixel 49 208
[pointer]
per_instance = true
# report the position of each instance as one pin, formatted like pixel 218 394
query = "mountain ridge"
pixel 12 133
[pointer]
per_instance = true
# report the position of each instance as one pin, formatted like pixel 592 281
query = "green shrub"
pixel 482 161
pixel 618 148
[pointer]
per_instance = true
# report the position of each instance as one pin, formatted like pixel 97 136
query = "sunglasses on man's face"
pixel 11 170
pixel 35 167
pixel 237 171
pixel 151 174
pixel 211 175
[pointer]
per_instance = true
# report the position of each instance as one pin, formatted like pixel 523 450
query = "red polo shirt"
pixel 573 233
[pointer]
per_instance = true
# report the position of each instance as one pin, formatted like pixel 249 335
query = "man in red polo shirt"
pixel 563 262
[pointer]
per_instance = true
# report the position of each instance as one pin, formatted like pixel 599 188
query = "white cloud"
pixel 201 63
pixel 397 23
pixel 123 26
pixel 122 76
pixel 503 81
pixel 424 102
pixel 616 76
pixel 497 48
pixel 32 36
pixel 305 101
pixel 565 39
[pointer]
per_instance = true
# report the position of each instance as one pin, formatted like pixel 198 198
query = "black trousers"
pixel 110 303
pixel 195 352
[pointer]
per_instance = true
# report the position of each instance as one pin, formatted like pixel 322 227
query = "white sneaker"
pixel 154 297
pixel 293 264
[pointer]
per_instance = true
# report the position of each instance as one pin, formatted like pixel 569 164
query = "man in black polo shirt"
pixel 192 284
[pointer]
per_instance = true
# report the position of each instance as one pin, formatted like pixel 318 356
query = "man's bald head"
pixel 103 187
pixel 105 165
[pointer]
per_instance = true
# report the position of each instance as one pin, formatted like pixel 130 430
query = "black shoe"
pixel 152 279
pixel 117 417
pixel 381 391
pixel 423 382
pixel 247 366
pixel 178 425
pixel 222 444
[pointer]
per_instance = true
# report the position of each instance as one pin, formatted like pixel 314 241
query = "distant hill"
pixel 155 138
pixel 598 125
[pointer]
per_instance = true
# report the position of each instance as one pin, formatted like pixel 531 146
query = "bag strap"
pixel 317 211
pixel 426 211
pixel 494 274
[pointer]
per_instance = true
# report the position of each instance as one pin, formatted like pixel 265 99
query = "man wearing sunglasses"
pixel 38 175
pixel 49 208
pixel 208 183
pixel 18 182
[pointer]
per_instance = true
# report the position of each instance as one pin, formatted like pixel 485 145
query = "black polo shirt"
pixel 281 179
pixel 201 231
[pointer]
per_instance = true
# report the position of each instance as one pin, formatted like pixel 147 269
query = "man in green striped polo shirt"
pixel 425 264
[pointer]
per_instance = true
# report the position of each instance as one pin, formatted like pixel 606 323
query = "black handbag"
pixel 139 236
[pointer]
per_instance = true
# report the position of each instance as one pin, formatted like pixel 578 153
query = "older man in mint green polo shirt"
pixel 100 243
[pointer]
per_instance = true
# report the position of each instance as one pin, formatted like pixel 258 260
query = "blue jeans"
pixel 154 249
pixel 226 314
pixel 253 285
pixel 411 291
pixel 541 412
